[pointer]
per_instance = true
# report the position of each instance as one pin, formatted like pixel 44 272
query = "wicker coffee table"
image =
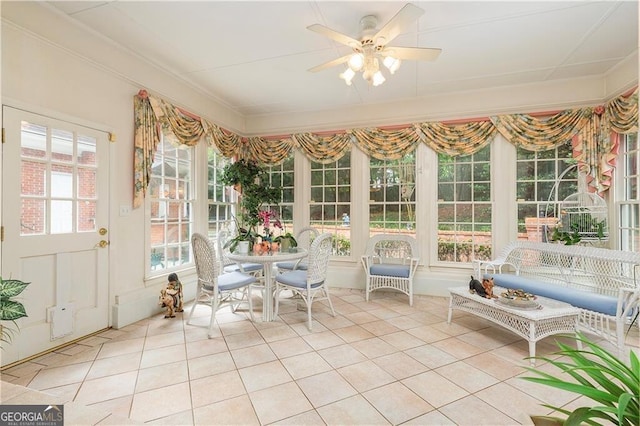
pixel 553 317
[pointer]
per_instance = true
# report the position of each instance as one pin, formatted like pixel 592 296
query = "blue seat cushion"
pixel 302 266
pixel 234 280
pixel 246 267
pixel 578 298
pixel 295 278
pixel 390 270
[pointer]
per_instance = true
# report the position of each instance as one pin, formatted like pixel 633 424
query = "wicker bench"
pixel 604 284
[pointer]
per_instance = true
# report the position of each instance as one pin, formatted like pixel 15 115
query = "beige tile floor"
pixel 376 363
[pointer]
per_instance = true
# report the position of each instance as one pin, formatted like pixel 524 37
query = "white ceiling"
pixel 253 56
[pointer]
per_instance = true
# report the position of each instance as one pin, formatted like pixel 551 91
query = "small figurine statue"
pixel 171 296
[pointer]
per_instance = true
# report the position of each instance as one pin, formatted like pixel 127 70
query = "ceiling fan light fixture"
pixel 373 46
pixel 377 79
pixel 347 76
pixel 356 61
pixel 391 63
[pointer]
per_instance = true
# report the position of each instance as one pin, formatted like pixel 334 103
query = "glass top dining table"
pixel 268 260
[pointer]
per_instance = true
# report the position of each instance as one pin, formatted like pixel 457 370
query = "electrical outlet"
pixel 125 210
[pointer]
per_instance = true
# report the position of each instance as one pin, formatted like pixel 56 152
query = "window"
pixel 464 207
pixel 171 206
pixel 282 177
pixel 331 201
pixel 392 198
pixel 629 206
pixel 543 180
pixel 220 197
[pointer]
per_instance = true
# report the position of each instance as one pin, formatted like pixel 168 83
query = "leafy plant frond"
pixel 597 374
pixel 10 310
pixel 11 288
pixel 585 415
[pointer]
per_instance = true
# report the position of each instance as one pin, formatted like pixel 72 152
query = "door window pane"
pixel 62 143
pixel 86 152
pixel 58 180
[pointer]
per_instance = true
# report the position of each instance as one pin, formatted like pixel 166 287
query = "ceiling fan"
pixel 372 47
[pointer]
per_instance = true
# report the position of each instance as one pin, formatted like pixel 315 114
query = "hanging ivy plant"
pixel 252 181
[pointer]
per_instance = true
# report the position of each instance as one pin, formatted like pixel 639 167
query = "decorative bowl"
pixel 519 299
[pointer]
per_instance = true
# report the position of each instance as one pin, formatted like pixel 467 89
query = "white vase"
pixel 243 247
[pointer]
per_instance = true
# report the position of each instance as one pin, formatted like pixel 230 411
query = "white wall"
pixel 43 71
pixel 47 79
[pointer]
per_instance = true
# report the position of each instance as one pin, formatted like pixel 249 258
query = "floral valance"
pixel 457 139
pixel 227 142
pixel 266 151
pixel 386 144
pixel 592 131
pixel 541 134
pixel 177 126
pixel 323 149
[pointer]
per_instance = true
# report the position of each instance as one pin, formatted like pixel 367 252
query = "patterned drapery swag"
pixel 593 131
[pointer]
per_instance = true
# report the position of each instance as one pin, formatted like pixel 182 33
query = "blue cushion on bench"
pixel 578 298
pixel 390 270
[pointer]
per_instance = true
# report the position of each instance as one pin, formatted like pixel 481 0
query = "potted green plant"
pixel 242 234
pixel 252 182
pixel 286 241
pixel 241 174
pixel 569 238
pixel 597 374
pixel 10 310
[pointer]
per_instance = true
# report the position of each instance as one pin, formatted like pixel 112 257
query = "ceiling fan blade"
pixel 408 14
pixel 412 53
pixel 334 35
pixel 330 64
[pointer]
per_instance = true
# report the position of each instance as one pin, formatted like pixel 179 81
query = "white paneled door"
pixel 55 183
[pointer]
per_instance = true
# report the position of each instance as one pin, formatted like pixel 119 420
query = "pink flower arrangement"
pixel 266 217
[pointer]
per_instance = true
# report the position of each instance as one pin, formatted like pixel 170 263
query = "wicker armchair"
pixel 390 261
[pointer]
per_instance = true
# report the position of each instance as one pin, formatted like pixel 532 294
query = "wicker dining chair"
pixel 214 289
pixel 304 238
pixel 229 265
pixel 309 284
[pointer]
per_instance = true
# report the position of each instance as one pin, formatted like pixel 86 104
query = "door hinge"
pixel 1 233
pixel 3 135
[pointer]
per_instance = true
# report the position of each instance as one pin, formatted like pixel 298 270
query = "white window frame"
pixel 395 169
pixel 457 180
pixel 334 225
pixel 627 206
pixel 555 191
pixel 189 205
pixel 224 197
pixel 282 176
